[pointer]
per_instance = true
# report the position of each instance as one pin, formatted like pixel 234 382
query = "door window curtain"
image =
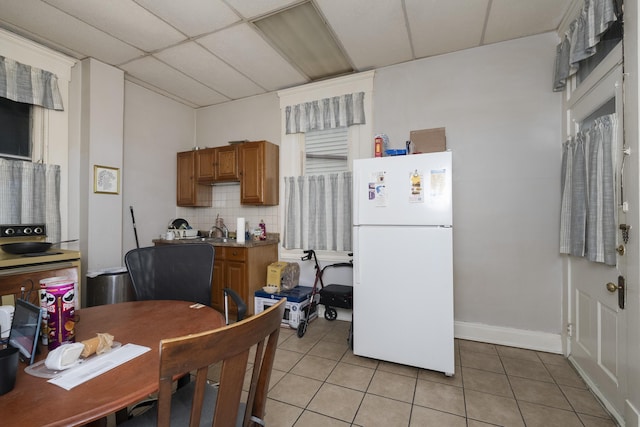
pixel 327 113
pixel 30 194
pixel 318 212
pixel 29 85
pixel 581 40
pixel 588 206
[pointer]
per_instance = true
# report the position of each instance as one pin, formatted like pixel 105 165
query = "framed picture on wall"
pixel 106 180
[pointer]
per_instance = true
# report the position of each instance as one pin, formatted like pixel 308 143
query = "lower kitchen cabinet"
pixel 243 269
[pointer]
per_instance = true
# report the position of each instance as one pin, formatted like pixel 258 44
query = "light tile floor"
pixel 317 381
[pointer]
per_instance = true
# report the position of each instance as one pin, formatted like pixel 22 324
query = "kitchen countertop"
pixel 271 240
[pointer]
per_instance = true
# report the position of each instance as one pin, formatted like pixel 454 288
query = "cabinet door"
pixel 226 163
pixel 259 173
pixel 236 279
pixel 188 192
pixel 186 184
pixel 205 165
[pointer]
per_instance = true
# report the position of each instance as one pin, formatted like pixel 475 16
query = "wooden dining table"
pixel 36 402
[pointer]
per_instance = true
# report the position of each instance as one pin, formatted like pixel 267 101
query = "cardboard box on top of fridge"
pixel 428 140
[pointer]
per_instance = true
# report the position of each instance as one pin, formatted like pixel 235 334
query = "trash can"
pixel 109 286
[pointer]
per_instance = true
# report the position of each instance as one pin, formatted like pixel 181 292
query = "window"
pixel 326 151
pixel 15 129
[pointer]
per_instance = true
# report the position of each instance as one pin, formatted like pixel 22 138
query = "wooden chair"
pixel 203 404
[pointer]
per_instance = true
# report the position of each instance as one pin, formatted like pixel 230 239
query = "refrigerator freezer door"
pixel 403 296
pixel 403 190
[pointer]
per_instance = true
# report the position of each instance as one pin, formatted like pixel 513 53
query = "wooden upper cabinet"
pixel 227 164
pixel 205 164
pixel 219 164
pixel 259 163
pixel 189 192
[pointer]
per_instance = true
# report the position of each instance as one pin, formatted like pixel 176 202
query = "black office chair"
pixel 172 272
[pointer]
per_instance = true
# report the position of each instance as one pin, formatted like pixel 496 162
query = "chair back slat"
pixel 230 345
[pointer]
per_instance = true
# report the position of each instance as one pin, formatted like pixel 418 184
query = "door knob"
pixel 621 250
pixel 612 287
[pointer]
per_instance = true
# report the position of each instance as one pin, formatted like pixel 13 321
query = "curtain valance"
pixel 580 41
pixel 30 85
pixel 327 113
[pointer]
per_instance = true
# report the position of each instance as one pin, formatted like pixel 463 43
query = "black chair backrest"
pixel 173 272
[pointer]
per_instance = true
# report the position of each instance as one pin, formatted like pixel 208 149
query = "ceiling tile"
pixel 197 62
pixel 154 72
pixel 251 8
pixel 371 36
pixel 511 19
pixel 192 17
pixel 124 20
pixel 242 48
pixel 47 22
pixel 438 27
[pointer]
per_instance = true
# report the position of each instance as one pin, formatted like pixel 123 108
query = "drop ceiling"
pixel 206 52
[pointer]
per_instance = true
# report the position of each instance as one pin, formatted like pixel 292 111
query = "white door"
pixel 598 323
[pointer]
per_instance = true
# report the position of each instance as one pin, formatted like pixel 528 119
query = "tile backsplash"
pixel 226 203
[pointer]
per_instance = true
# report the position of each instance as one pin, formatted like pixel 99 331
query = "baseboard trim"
pixel 522 338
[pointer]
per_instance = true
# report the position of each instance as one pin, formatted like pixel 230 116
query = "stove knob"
pixel 37 230
pixel 9 231
pixel 27 230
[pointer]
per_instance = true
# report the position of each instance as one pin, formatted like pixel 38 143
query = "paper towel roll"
pixel 240 231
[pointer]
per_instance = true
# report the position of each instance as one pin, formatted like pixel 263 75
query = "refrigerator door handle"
pixel 356 257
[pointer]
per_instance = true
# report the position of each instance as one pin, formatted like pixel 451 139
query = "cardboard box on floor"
pixel 428 140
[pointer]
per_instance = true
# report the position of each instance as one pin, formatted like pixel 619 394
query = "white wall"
pixel 155 129
pixel 256 118
pixel 101 136
pixel 503 124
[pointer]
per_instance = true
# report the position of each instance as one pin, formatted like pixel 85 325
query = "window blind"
pixel 326 151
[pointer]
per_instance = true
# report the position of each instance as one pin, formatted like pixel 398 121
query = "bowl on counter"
pixel 270 289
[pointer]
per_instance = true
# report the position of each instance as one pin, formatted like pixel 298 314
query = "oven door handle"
pixel 12 271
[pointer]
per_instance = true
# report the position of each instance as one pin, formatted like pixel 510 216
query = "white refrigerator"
pixel 403 267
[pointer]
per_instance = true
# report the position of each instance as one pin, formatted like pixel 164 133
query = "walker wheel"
pixel 330 313
pixel 302 328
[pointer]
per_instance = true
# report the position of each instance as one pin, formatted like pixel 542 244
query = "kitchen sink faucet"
pixel 224 229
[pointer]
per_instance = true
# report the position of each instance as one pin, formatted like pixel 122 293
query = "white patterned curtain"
pixel 588 207
pixel 327 113
pixel 318 212
pixel 30 194
pixel 581 40
pixel 29 85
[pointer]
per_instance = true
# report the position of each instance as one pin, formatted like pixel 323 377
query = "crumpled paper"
pixel 99 344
